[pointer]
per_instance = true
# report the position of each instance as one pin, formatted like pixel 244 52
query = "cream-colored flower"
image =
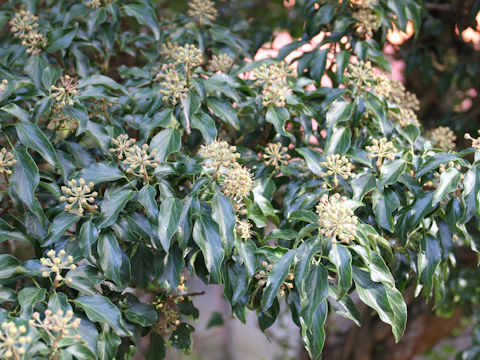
pixel 237 183
pixel 168 50
pixel 367 21
pixel 64 93
pixel 243 228
pixel 95 4
pixel 276 155
pixel 6 161
pixel 122 145
pixel 34 42
pixel 55 263
pixel 360 75
pixel 139 160
pixel 381 149
pixel 219 155
pixel 278 72
pixel 335 219
pixel 173 83
pixel 57 325
pixel 404 117
pixel 382 85
pixel 79 197
pixel 202 11
pixel 23 23
pixel 3 84
pixel 338 167
pixel 443 137
pixel 262 277
pixel 475 142
pixel 188 55
pixel 13 340
pixel 221 63
pixel 274 95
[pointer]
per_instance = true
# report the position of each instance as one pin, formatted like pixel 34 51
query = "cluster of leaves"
pixel 109 116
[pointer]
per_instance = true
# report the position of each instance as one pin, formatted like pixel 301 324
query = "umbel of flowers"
pixel 336 220
pixel 13 340
pixel 235 180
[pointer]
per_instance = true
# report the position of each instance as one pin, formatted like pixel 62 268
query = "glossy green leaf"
pixel 342 259
pixel 25 176
pixel 449 181
pixel 206 235
pixel 224 216
pixel 278 117
pixel 168 220
pixel 145 15
pixel 60 224
pixel 113 260
pixel 390 173
pixel 428 260
pixel 142 314
pixel 101 310
pixel 28 297
pixel 314 294
pixel 111 206
pixel 275 279
pixel 166 142
pixel 386 301
pixel 100 172
pixel 224 111
pixel 8 264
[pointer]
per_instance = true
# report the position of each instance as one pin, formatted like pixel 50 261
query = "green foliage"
pixel 114 179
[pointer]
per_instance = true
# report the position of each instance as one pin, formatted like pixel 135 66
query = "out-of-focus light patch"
pixel 398 66
pixel 397 37
pixel 471 35
pixel 289 3
pixel 466 100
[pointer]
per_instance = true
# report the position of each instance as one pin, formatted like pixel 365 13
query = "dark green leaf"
pixel 224 216
pixel 206 236
pixel 168 220
pixel 342 259
pixel 145 15
pixel 101 310
pixel 166 142
pixel 390 173
pixel 27 298
pixel 113 260
pixel 278 117
pixel 111 206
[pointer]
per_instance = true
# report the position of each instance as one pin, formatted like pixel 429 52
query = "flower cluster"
pixel 6 161
pixel 139 159
pixel 276 155
pixel 81 196
pixel 168 315
pixel 24 26
pixel 367 21
pixel 13 340
pixel 262 277
pixel 273 78
pixel 55 263
pixel 168 50
pixel 57 325
pixel 406 102
pixel 65 91
pixel 3 83
pixel 219 155
pixel 443 137
pixel 189 55
pixel 360 75
pixel 475 142
pixel 23 23
pixel 381 149
pixel 337 166
pixel 221 63
pixel 382 85
pixel 243 229
pixel 173 83
pixel 273 73
pixel 122 145
pixel 202 11
pixel 95 4
pixel 237 183
pixel 335 219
